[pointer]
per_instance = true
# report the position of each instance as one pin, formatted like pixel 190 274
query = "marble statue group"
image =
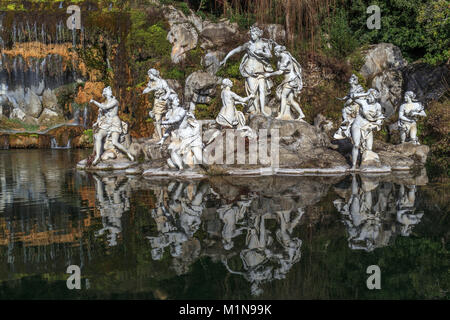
pixel 362 114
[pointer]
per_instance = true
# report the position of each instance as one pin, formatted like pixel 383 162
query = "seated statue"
pixel 186 146
pixel 108 125
pixel 407 117
pixel 350 110
pixel 292 84
pixel 369 118
pixel 228 116
pixel 162 93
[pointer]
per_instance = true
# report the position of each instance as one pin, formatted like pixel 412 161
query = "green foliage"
pixel 340 37
pixel 420 28
pixel 230 70
pixel 90 134
pixel 435 19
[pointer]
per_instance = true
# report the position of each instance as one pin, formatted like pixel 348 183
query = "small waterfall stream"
pixel 54 144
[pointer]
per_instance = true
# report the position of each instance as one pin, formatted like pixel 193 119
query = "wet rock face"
pixel 33 105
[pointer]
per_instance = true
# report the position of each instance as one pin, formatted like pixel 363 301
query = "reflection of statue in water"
pixel 406 215
pixel 113 201
pixel 254 65
pixel 109 125
pixel 374 213
pixel 292 84
pixel 350 110
pixel 162 93
pixel 363 225
pixel 178 218
pixel 407 117
pixel 231 214
pixel 291 254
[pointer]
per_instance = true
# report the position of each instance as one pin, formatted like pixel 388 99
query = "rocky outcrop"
pixel 426 81
pixel 381 57
pixel 200 87
pixel 211 61
pixel 183 38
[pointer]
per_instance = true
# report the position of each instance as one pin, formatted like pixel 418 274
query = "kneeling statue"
pixel 108 125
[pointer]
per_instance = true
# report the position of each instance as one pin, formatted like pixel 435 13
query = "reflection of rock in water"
pixel 112 195
pixel 374 211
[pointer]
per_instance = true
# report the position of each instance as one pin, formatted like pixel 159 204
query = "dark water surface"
pixel 222 238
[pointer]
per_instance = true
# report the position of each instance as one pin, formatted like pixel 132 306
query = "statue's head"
pixel 173 100
pixel 255 33
pixel 279 49
pixel 107 92
pixel 373 95
pixel 153 73
pixel 409 96
pixel 353 79
pixel 227 83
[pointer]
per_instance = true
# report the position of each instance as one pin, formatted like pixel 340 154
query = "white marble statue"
pixel 370 117
pixel 162 92
pixel 186 146
pixel 254 65
pixel 407 117
pixel 291 85
pixel 350 110
pixel 229 116
pixel 406 210
pixel 108 125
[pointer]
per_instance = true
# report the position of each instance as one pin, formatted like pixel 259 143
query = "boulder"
pixel 426 81
pixel 200 87
pixel 183 38
pixel 218 34
pixel 33 105
pixel 18 113
pixel 389 83
pixel 381 57
pixel 402 156
pixel 49 117
pixel 50 101
pixel 211 61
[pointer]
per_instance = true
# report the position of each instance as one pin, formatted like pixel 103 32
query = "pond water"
pixel 266 237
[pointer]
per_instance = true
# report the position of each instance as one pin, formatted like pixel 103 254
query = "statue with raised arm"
pixel 369 118
pixel 254 65
pixel 407 117
pixel 350 110
pixel 291 86
pixel 108 125
pixel 162 92
pixel 229 116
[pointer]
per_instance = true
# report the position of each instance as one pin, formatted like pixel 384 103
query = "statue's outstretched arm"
pixel 231 53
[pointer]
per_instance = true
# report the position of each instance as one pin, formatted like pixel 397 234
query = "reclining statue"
pixel 108 125
pixel 407 117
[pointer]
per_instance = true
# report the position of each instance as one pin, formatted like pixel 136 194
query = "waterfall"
pixel 85 116
pixel 54 144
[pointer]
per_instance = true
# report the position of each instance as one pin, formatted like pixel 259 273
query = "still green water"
pixel 222 238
